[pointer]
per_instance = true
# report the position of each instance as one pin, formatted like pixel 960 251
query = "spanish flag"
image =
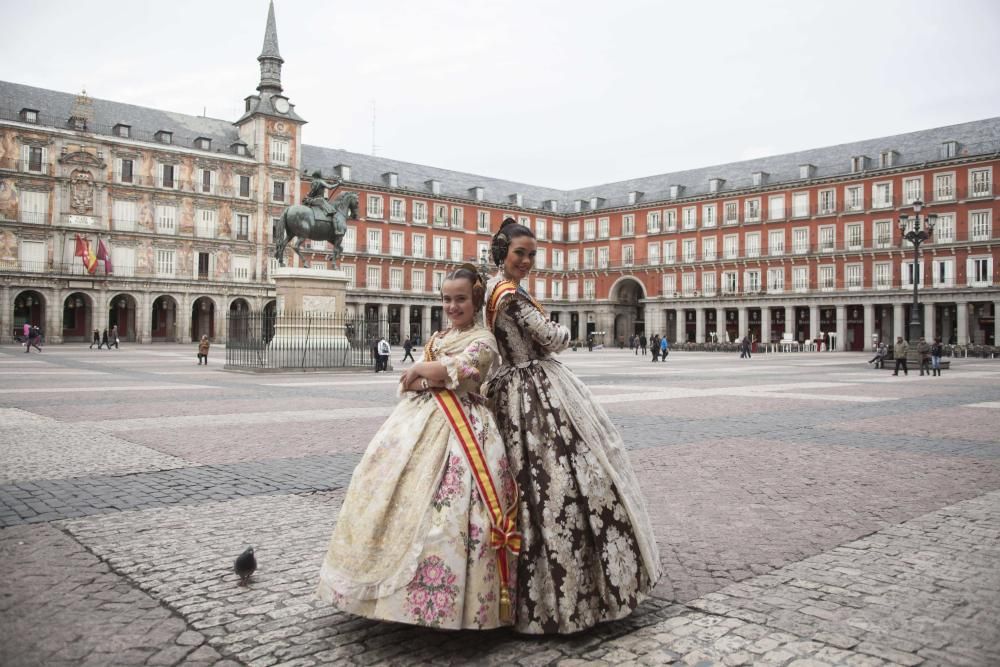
pixel 84 251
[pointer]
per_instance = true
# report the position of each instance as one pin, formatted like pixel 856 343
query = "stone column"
pixel 869 324
pixel 52 326
pixel 182 320
pixel 720 324
pixel 6 316
pixel 404 322
pixel 744 326
pixel 962 320
pixel 841 328
pixel 929 332
pixel 996 323
pixel 813 322
pixel 699 325
pixel 765 325
pixel 383 320
pixel 681 324
pixel 425 324
pixel 791 326
pixel 898 327
pixel 144 318
pixel 655 321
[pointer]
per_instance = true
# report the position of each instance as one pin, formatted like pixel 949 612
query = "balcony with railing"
pixel 36 167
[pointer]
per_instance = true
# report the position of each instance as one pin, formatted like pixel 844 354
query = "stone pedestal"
pixel 309 328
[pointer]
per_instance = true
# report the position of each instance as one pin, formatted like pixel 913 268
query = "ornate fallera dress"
pixel 588 553
pixel 413 540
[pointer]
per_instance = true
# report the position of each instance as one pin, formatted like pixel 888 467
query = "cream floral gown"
pixel 411 543
pixel 588 554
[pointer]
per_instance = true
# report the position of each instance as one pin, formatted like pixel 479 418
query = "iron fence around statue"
pixel 286 341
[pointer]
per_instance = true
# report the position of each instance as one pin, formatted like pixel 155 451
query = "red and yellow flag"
pixel 84 251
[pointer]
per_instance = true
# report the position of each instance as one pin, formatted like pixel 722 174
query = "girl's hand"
pixel 409 376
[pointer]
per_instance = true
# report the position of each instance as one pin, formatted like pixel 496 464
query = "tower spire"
pixel 270 59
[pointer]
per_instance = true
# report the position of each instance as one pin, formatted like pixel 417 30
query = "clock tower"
pixel 272 134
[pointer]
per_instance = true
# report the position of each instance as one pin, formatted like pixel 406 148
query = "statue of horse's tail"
pixel 280 236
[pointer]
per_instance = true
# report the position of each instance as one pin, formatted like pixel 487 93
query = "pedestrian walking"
pixel 664 348
pixel 924 350
pixel 408 350
pixel 25 335
pixel 590 343
pixel 104 340
pixel 203 346
pixel 113 338
pixel 642 345
pixel 34 338
pixel 745 348
pixel 899 351
pixel 97 340
pixel 383 355
pixel 654 347
pixel 936 350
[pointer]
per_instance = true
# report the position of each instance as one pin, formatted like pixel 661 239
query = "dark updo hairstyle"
pixel 469 272
pixel 509 230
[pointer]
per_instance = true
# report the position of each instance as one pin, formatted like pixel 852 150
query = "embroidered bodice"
pixel 468 356
pixel 523 332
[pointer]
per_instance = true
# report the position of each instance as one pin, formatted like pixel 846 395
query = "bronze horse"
pixel 304 222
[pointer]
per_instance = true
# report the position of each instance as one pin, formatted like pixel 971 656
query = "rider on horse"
pixel 316 199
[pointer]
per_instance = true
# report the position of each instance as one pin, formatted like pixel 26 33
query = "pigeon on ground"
pixel 245 565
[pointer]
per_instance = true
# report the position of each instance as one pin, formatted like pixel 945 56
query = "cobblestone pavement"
pixel 810 510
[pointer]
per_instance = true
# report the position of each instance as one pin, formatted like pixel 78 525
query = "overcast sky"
pixel 560 94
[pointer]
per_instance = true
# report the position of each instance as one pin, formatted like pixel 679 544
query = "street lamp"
pixel 914 233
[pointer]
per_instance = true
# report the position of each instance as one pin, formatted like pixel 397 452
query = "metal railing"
pixel 270 341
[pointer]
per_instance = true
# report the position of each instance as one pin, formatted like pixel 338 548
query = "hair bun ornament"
pixel 507 221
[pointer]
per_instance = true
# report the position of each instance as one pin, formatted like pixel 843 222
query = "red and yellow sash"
pixel 502 289
pixel 503 536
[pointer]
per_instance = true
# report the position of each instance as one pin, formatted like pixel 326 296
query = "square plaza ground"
pixel 809 510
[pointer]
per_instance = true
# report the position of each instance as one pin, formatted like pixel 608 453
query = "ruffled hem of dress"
pixel 621 613
pixel 333 583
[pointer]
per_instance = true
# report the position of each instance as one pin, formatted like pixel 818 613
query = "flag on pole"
pixel 104 256
pixel 84 251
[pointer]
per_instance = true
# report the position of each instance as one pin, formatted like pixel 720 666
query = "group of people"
pixel 498 492
pixel 105 339
pixel 380 353
pixel 31 337
pixel 930 356
pixel 659 346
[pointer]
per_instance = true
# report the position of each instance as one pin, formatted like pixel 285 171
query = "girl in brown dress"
pixel 588 554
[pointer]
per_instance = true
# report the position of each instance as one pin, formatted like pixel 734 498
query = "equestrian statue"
pixel 316 219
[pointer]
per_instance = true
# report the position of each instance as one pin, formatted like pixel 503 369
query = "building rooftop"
pixel 913 148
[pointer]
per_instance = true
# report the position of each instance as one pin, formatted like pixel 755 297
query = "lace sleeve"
pixel 552 336
pixel 472 364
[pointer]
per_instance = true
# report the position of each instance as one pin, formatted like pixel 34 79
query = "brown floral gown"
pixel 588 553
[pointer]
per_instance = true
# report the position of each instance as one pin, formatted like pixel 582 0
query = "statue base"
pixel 309 331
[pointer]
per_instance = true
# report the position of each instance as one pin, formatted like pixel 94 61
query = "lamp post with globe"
pixel 916 230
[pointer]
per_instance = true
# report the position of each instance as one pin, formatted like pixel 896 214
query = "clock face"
pixel 281 105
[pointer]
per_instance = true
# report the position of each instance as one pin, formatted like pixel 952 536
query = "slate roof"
pixel 54 109
pixel 913 148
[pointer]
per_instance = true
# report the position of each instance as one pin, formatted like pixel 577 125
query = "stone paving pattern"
pixel 809 511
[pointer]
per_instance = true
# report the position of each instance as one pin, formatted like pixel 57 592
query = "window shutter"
pixel 194 264
pixel 969 274
pixel 211 266
pixel 25 156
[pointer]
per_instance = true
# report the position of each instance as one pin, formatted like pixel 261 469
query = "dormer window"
pixel 552 205
pixel 164 137
pixel 715 184
pixel 78 123
pixel 204 143
pixel 122 130
pixel 434 186
pixel 807 171
pixel 859 163
pixel 238 147
pixel 887 159
pixel 577 205
pixel 596 203
pixel 634 197
pixel 949 149
pixel 517 199
pixel 391 179
pixel 676 191
pixel 478 193
pixel 29 115
pixel 759 178
pixel 343 172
